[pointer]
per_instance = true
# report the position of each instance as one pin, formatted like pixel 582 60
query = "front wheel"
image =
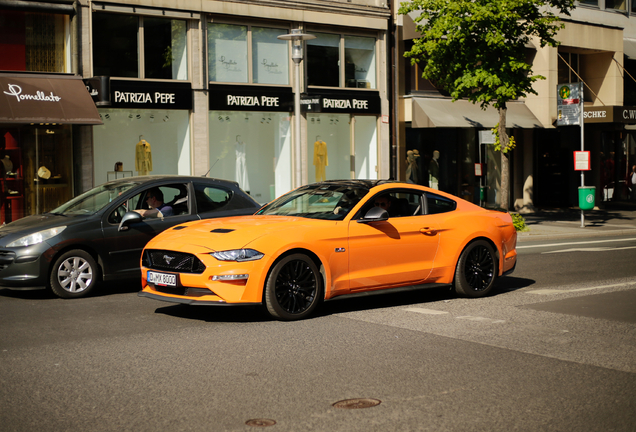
pixel 293 288
pixel 74 274
pixel 476 270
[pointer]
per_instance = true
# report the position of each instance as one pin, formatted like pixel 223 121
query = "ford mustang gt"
pixel 330 239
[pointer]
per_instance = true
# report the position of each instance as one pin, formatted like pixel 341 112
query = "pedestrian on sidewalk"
pixel 631 182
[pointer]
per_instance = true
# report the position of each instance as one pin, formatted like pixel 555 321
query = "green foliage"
pixel 519 222
pixel 475 49
pixel 511 141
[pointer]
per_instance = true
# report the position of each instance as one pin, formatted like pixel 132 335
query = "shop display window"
pixel 232 59
pixel 118 53
pixel 34 42
pixel 325 67
pixel 139 142
pixel 360 62
pixel 253 149
pixel 269 56
pixel 323 60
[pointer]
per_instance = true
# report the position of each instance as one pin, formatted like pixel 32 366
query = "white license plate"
pixel 162 279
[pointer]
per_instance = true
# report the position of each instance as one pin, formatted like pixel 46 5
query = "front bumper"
pixel 191 301
pixel 25 268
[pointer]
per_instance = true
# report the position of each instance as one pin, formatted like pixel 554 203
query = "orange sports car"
pixel 330 239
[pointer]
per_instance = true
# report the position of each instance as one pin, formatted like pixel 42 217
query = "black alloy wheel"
pixel 476 270
pixel 293 288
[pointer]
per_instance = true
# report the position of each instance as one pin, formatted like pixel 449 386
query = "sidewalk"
pixel 566 223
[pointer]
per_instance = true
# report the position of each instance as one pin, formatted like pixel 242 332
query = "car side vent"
pixel 172 261
pixel 177 228
pixel 222 230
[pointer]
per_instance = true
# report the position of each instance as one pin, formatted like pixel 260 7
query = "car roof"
pixel 176 178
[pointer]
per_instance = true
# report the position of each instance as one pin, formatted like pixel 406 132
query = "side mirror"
pixel 128 219
pixel 375 214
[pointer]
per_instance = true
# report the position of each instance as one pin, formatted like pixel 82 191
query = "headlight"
pixel 238 255
pixel 37 237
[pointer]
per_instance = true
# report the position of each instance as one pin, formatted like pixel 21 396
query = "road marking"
pixel 575 243
pixel 482 319
pixel 598 249
pixel 426 311
pixel 549 291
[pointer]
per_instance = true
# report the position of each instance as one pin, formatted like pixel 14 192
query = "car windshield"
pixel 318 201
pixel 94 200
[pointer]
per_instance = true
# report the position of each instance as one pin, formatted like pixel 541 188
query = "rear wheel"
pixel 74 274
pixel 476 270
pixel 293 288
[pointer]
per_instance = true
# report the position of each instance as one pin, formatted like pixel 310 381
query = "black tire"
pixel 74 274
pixel 476 270
pixel 293 288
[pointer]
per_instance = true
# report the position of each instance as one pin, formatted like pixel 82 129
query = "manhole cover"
pixel 357 403
pixel 260 422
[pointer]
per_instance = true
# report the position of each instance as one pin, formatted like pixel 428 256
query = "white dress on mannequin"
pixel 241 165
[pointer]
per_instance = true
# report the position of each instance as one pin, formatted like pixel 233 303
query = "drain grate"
pixel 261 422
pixel 357 403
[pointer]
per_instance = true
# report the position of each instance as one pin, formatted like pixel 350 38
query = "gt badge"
pixel 340 249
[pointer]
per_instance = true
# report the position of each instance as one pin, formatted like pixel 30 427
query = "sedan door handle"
pixel 428 231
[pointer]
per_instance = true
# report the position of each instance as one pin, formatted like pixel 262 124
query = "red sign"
pixel 582 161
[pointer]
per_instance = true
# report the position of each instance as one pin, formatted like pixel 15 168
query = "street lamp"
pixel 297 37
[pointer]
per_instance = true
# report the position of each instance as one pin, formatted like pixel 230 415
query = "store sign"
pixel 150 95
pixel 342 102
pixel 610 114
pixel 250 98
pixel 99 89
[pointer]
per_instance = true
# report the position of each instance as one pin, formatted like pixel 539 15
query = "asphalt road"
pixel 553 350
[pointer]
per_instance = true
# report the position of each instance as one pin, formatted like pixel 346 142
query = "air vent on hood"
pixel 222 230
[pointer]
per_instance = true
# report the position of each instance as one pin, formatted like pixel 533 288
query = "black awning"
pixel 61 99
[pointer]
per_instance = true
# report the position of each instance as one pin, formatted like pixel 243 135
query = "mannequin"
pixel 143 157
pixel 412 167
pixel 320 158
pixel 8 165
pixel 433 171
pixel 241 164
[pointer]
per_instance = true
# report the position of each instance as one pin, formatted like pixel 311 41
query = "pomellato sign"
pixel 40 96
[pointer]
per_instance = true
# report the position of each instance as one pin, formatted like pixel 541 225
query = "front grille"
pixel 184 291
pixel 177 262
pixel 6 259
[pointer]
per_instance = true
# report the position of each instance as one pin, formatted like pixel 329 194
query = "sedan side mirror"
pixel 128 219
pixel 375 214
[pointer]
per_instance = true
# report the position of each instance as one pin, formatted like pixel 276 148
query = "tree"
pixel 475 49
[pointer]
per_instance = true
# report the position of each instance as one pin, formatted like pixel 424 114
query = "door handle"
pixel 428 231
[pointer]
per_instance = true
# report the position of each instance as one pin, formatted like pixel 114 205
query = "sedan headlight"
pixel 37 237
pixel 238 255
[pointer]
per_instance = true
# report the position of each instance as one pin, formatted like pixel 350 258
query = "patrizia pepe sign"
pixel 16 90
pixel 250 98
pixel 342 102
pixel 150 95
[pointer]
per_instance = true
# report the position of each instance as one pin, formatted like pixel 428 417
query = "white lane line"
pixel 482 319
pixel 426 311
pixel 575 243
pixel 549 291
pixel 597 249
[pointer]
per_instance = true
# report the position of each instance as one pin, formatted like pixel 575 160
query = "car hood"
pixel 32 224
pixel 231 233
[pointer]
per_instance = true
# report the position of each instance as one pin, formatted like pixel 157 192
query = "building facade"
pixel 453 144
pixel 208 88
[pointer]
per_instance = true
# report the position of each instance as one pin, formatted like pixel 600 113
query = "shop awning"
pixel 438 112
pixel 629 48
pixel 59 99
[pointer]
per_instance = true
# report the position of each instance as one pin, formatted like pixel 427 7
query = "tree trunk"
pixel 505 166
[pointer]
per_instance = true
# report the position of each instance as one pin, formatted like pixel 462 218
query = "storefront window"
pixel 227 53
pixel 165 53
pixel 323 60
pixel 366 147
pixel 254 149
pixel 329 147
pixel 115 45
pixel 269 57
pixel 36 170
pixel 33 42
pixel 360 62
pixel 616 4
pixel 116 49
pixel 164 135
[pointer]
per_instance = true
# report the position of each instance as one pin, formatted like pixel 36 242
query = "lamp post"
pixel 297 37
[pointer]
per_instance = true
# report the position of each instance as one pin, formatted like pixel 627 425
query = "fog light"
pixel 231 277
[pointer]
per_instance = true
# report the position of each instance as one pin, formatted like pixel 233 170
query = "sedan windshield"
pixel 318 201
pixel 94 200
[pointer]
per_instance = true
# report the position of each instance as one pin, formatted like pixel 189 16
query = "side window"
pixel 398 203
pixel 438 204
pixel 210 198
pixel 171 200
